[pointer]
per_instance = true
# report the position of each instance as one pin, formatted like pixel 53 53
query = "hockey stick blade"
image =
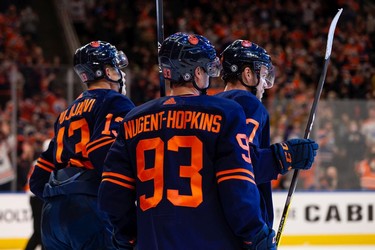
pixel 310 122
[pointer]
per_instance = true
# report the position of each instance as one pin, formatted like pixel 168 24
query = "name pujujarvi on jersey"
pixel 173 119
pixel 77 109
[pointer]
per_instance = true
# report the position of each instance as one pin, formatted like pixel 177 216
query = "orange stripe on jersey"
pixel 254 130
pixel 78 163
pixel 41 160
pixel 44 168
pixel 238 177
pixel 236 170
pixel 120 176
pixel 97 141
pixel 31 170
pixel 45 165
pixel 119 183
pixel 108 141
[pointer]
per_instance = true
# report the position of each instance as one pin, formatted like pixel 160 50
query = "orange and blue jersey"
pixel 179 176
pixel 258 130
pixel 84 133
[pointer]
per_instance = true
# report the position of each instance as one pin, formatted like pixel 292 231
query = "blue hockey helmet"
pixel 181 53
pixel 90 60
pixel 243 53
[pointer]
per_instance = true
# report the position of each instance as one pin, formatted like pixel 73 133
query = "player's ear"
pixel 111 73
pixel 198 72
pixel 201 77
pixel 248 77
pixel 107 71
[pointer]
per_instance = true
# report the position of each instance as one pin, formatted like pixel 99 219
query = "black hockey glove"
pixel 295 154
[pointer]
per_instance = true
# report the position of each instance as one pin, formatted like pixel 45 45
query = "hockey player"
pixel 247 72
pixel 67 175
pixel 184 161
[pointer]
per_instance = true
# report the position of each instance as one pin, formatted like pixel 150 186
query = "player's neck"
pixel 183 90
pixel 231 86
pixel 99 85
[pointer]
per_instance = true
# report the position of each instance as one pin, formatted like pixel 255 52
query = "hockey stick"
pixel 310 122
pixel 160 31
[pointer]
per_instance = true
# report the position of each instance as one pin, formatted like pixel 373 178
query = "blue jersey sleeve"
pixel 266 157
pixel 117 192
pixel 258 131
pixel 107 122
pixel 42 170
pixel 236 182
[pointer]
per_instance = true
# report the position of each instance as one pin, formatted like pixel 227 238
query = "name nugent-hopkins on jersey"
pixel 176 119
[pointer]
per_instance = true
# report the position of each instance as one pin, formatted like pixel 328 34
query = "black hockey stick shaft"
pixel 310 122
pixel 160 36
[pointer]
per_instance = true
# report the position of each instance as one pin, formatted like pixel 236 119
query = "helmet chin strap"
pixel 120 82
pixel 203 91
pixel 253 89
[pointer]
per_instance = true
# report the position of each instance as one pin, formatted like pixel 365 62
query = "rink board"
pixel 315 218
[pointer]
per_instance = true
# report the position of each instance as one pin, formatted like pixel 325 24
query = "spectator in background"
pixel 77 12
pixel 29 22
pixel 327 147
pixel 328 179
pixel 368 126
pixel 352 150
pixel 366 170
pixel 7 143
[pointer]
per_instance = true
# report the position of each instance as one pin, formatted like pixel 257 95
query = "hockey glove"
pixel 263 240
pixel 295 154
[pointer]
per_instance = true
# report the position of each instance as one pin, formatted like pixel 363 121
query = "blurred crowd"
pixel 294 32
